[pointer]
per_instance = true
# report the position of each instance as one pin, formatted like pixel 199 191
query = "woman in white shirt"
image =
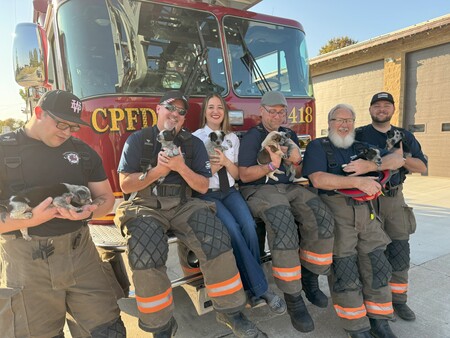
pixel 231 208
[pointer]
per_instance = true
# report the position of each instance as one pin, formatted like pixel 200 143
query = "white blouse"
pixel 231 153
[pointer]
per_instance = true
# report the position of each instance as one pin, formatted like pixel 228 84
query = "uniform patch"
pixel 72 157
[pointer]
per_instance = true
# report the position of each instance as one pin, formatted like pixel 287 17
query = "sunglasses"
pixel 63 125
pixel 173 108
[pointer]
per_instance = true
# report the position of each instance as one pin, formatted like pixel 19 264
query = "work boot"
pixel 380 328
pixel 404 311
pixel 363 334
pixel 300 318
pixel 168 330
pixel 240 325
pixel 276 303
pixel 310 283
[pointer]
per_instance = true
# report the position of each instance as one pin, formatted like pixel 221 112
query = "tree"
pixel 13 124
pixel 336 43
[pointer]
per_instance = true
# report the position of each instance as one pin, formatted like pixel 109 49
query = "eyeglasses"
pixel 342 121
pixel 273 112
pixel 63 125
pixel 173 108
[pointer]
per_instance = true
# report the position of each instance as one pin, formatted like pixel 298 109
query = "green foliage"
pixel 11 123
pixel 336 43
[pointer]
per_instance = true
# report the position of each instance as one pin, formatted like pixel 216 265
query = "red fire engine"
pixel 120 56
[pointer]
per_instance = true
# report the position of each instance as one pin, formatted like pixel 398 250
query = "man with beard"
pixel 397 217
pixel 360 270
pixel 158 207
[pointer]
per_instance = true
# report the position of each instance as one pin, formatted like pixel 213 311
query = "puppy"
pixel 291 146
pixel 394 138
pixel 369 154
pixel 67 196
pixel 166 138
pixel 215 140
pixel 273 140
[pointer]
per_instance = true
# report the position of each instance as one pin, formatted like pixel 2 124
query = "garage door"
pixel 354 86
pixel 427 104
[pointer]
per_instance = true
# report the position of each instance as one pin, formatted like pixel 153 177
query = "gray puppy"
pixel 67 196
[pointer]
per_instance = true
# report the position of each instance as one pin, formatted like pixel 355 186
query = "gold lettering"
pixel 131 118
pixel 94 120
pixel 144 112
pixel 292 117
pixel 117 115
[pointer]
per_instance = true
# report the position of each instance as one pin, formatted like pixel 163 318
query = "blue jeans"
pixel 234 213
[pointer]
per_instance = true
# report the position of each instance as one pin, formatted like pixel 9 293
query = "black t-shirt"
pixel 42 165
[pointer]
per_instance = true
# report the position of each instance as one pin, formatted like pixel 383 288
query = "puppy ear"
pixel 223 134
pixel 213 136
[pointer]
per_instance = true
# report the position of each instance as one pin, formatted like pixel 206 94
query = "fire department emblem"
pixel 72 157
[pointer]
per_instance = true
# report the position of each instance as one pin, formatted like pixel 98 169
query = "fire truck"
pixel 120 56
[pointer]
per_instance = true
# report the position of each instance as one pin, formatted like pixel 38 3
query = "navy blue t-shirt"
pixel 315 158
pixel 132 153
pixel 251 145
pixel 369 134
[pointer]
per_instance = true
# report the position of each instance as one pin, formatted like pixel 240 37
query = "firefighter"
pixel 59 269
pixel 398 218
pixel 162 201
pixel 286 209
pixel 360 272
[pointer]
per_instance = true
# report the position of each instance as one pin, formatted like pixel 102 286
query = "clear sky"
pixel 322 20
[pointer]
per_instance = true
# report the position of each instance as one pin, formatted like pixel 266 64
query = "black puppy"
pixel 369 154
pixel 67 196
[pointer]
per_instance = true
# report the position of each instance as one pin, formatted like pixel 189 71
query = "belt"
pixel 165 190
pixel 213 189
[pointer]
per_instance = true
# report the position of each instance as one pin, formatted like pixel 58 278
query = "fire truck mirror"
pixel 29 55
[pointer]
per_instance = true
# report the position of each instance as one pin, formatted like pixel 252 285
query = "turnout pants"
pixel 287 210
pixel 399 223
pixel 145 222
pixel 360 272
pixel 38 289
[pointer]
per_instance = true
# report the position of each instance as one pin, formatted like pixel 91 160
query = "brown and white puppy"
pixel 67 196
pixel 273 140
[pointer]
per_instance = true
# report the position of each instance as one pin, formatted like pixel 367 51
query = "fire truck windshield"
pixel 133 47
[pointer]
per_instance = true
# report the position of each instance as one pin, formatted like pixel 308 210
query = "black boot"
pixel 310 283
pixel 380 328
pixel 363 334
pixel 300 318
pixel 404 311
pixel 240 325
pixel 168 330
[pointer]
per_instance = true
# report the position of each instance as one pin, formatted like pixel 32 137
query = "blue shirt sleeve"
pixel 131 154
pixel 314 159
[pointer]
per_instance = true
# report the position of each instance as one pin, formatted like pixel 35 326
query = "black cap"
pixel 173 95
pixel 383 96
pixel 64 105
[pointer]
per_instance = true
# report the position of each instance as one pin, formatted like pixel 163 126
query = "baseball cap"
pixel 173 95
pixel 64 105
pixel 273 98
pixel 383 96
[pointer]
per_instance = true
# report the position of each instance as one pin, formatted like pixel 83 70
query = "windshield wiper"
pixel 252 66
pixel 200 67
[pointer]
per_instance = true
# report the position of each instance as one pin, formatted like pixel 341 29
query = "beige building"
pixel 413 64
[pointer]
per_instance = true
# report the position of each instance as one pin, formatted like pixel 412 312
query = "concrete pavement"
pixel 429 294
